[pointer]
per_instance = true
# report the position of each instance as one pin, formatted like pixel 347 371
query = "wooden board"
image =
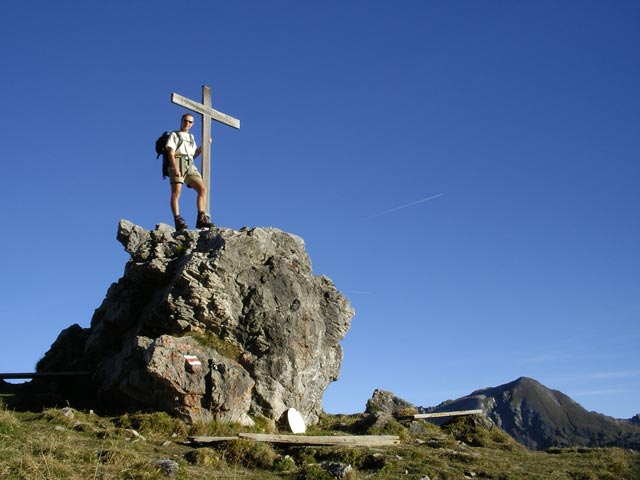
pixel 205 439
pixel 447 414
pixel 205 148
pixel 340 440
pixel 352 440
pixel 205 110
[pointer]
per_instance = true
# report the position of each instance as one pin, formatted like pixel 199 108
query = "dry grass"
pixel 67 444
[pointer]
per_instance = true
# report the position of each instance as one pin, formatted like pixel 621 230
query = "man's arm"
pixel 173 143
pixel 199 150
pixel 172 162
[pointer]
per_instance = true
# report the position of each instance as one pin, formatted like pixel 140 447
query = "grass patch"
pixel 9 424
pixel 70 444
pixel 224 347
pixel 248 453
pixel 154 425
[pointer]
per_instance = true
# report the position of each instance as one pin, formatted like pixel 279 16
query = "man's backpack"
pixel 161 149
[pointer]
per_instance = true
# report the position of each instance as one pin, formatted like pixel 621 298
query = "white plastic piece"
pixel 295 421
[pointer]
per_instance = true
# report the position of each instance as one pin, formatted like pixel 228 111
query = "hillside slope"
pixel 540 417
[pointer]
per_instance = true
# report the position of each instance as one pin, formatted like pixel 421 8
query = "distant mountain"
pixel 539 417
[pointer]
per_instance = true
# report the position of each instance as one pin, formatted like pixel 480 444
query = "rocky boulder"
pixel 383 401
pixel 210 324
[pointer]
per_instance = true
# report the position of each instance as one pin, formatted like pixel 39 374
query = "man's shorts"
pixel 189 172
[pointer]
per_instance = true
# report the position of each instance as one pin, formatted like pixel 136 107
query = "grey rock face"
pixel 387 402
pixel 246 304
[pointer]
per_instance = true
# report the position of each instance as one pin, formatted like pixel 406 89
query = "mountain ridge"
pixel 540 417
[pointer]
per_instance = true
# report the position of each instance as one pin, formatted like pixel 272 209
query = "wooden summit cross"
pixel 208 114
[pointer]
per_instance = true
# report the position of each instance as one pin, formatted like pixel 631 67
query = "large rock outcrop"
pixel 210 324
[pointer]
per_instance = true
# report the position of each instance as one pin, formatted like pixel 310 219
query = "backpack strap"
pixel 165 155
pixel 179 140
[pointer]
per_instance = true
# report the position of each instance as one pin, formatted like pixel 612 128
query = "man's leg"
pixel 176 189
pixel 201 201
pixel 200 188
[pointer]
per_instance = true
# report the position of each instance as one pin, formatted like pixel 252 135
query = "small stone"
pixel 168 467
pixel 136 435
pixel 338 470
pixel 68 412
pixel 375 461
pixel 79 426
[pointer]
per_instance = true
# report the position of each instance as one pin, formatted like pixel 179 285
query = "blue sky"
pixel 466 172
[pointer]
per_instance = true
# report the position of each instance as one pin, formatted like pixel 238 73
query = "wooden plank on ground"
pixel 345 440
pixel 320 440
pixel 204 439
pixel 447 414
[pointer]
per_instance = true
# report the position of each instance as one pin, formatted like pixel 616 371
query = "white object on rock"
pixel 295 421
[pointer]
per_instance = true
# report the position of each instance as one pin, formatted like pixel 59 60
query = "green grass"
pixel 55 444
pixel 221 345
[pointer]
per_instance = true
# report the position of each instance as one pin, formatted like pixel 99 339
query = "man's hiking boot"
pixel 203 221
pixel 180 223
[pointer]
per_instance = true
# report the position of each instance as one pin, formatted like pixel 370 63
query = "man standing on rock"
pixel 181 149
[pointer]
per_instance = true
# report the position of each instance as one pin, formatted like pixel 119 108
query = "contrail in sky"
pixel 405 206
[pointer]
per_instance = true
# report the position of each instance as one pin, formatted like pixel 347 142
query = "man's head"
pixel 186 122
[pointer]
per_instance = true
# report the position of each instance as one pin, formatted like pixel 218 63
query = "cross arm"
pixel 205 110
